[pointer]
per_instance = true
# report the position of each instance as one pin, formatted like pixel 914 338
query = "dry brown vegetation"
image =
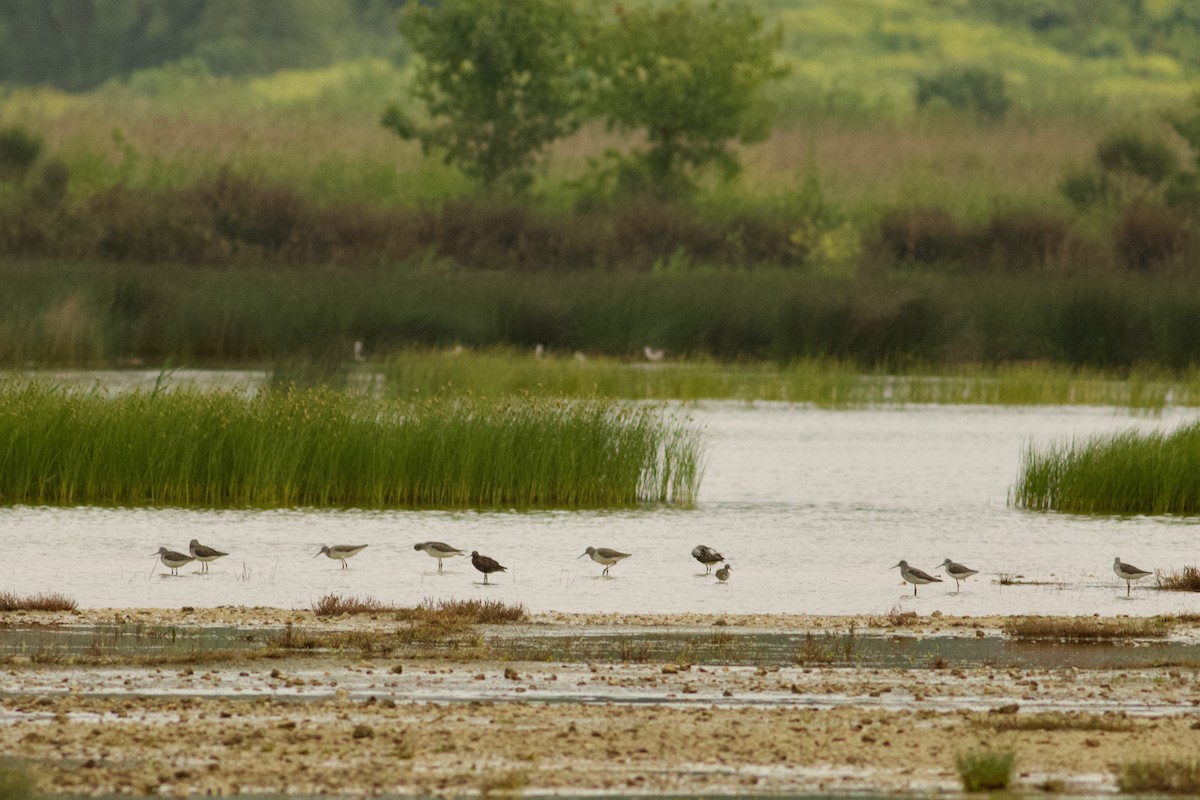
pixel 1186 580
pixel 1086 628
pixel 1060 721
pixel 1165 776
pixel 43 601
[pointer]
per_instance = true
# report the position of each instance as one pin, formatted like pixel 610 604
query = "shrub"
pixel 966 88
pixel 985 770
pixel 1130 151
pixel 1084 187
pixel 1164 776
pixel 1148 236
pixel 1025 239
pixel 925 236
pixel 19 149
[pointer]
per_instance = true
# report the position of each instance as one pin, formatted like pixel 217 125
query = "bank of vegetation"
pixel 319 448
pixel 1129 472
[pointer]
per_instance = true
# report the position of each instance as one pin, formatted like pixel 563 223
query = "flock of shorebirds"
pixel 960 572
pixel 604 556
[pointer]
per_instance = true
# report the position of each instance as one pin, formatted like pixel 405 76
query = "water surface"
pixel 811 507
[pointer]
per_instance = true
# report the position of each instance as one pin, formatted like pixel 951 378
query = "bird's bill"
pixel 582 555
pixel 893 566
pixel 319 553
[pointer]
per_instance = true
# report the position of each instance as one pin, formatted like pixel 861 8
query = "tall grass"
pixel 323 448
pixel 1129 472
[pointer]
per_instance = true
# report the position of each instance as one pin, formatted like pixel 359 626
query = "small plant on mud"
pixel 1165 776
pixel 49 601
pixel 1086 628
pixel 985 770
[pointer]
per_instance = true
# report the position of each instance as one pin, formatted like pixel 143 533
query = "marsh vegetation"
pixel 320 448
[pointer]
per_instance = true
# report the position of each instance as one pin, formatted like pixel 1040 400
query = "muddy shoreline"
pixel 469 723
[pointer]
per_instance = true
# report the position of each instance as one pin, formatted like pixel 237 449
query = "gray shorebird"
pixel 915 576
pixel 1128 573
pixel 171 559
pixel 485 565
pixel 706 556
pixel 957 571
pixel 605 556
pixel 203 554
pixel 438 550
pixel 341 552
pixel 723 573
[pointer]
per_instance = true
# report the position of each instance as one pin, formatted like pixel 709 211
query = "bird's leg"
pixel 914 590
pixel 485 579
pixel 1128 587
pixel 439 566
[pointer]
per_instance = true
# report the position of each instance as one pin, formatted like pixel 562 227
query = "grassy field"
pixel 327 449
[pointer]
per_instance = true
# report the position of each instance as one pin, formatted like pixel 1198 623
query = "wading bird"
pixel 485 565
pixel 723 573
pixel 342 552
pixel 203 554
pixel 706 556
pixel 438 550
pixel 915 576
pixel 171 559
pixel 958 571
pixel 1128 573
pixel 605 556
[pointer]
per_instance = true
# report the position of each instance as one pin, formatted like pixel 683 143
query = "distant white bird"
pixel 707 556
pixel 605 556
pixel 342 552
pixel 438 550
pixel 580 357
pixel 723 573
pixel 358 351
pixel 652 354
pixel 539 351
pixel 915 576
pixel 203 554
pixel 958 571
pixel 1128 573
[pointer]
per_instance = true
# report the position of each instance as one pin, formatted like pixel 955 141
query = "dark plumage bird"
pixel 203 554
pixel 707 556
pixel 485 565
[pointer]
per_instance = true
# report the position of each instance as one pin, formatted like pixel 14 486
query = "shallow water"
pixel 811 506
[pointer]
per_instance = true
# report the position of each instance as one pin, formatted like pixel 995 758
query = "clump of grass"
pixel 1130 472
pixel 472 612
pixel 1165 776
pixel 827 649
pixel 322 448
pixel 1186 580
pixel 47 601
pixel 1086 628
pixel 985 770
pixel 1055 721
pixel 335 605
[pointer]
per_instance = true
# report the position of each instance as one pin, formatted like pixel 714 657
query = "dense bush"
pixel 966 88
pixel 1013 240
pixel 1150 236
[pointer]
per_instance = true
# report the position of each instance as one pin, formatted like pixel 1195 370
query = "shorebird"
pixel 723 573
pixel 915 576
pixel 957 571
pixel 203 554
pixel 706 556
pixel 341 552
pixel 171 559
pixel 485 565
pixel 605 556
pixel 1128 573
pixel 438 550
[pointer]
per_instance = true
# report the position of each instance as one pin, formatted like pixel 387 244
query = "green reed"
pixel 1129 472
pixel 823 382
pixel 321 448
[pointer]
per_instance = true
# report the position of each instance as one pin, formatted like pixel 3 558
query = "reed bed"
pixel 471 612
pixel 1129 472
pixel 824 382
pixel 1086 628
pixel 320 448
pixel 43 601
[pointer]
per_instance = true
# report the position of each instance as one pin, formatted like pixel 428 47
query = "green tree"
pixel 689 77
pixel 498 80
